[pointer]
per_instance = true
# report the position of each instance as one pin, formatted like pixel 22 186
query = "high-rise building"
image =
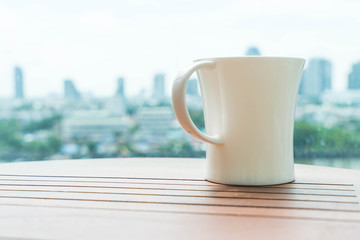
pixel 316 78
pixel 117 104
pixel 192 87
pixel 252 51
pixel 19 83
pixel 354 77
pixel 120 87
pixel 70 91
pixel 159 87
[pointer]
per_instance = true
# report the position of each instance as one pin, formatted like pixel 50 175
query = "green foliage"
pixel 135 128
pixel 10 138
pixel 132 109
pixel 25 106
pixel 163 103
pixel 310 140
pixel 41 149
pixel 44 124
pixel 314 140
pixel 198 118
pixel 92 147
pixel 178 148
pixel 13 146
pixel 125 149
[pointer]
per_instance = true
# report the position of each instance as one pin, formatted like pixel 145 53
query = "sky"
pixel 95 42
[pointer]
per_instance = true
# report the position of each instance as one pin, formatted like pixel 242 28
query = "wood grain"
pixel 92 198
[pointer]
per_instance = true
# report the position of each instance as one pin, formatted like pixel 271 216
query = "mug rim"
pixel 251 57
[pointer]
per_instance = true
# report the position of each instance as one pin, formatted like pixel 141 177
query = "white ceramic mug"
pixel 249 106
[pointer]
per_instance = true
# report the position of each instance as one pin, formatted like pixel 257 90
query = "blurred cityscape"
pixel 81 126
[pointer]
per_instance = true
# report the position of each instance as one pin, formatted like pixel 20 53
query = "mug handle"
pixel 179 103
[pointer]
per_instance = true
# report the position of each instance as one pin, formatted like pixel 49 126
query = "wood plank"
pixel 168 198
pixel 185 193
pixel 98 224
pixel 179 168
pixel 193 168
pixel 189 209
pixel 175 200
pixel 319 192
pixel 70 179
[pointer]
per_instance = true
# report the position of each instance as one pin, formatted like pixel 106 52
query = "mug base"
pixel 254 185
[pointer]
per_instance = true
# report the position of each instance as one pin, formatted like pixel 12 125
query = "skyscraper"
pixel 252 51
pixel 159 87
pixel 19 83
pixel 120 87
pixel 354 76
pixel 316 78
pixel 70 91
pixel 117 104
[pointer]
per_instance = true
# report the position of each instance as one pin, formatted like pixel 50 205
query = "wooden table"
pixel 168 199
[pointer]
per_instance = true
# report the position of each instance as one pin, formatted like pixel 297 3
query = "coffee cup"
pixel 249 106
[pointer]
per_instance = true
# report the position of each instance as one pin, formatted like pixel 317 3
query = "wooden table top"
pixel 163 198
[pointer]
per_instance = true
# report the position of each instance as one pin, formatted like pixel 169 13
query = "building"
pixel 156 123
pixel 252 51
pixel 116 106
pixel 159 87
pixel 120 87
pixel 19 83
pixel 344 99
pixel 94 126
pixel 316 78
pixel 354 77
pixel 70 91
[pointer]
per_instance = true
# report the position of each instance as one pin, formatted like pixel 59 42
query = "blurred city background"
pixel 77 125
pixel 134 117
